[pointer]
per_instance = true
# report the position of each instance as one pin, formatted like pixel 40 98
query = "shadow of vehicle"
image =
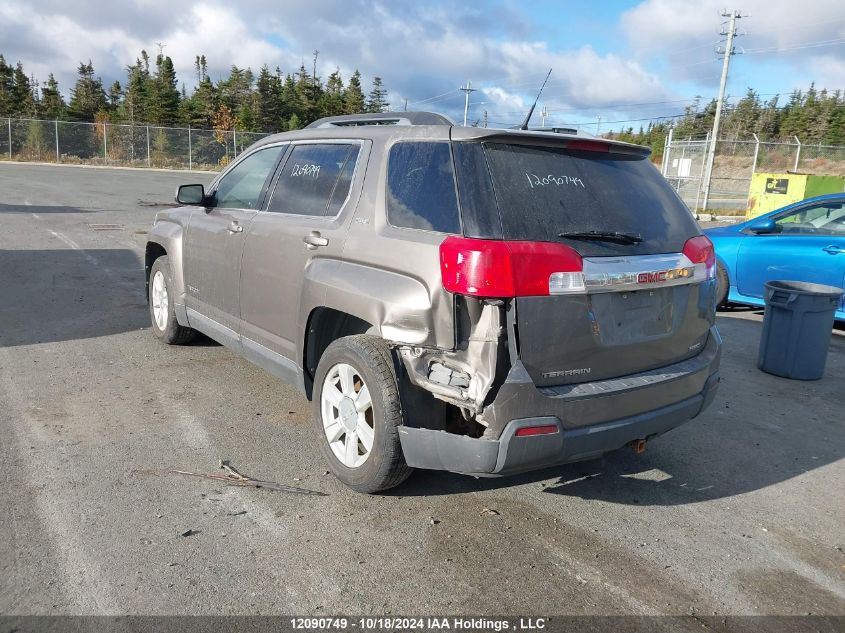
pixel 67 294
pixel 23 208
pixel 760 430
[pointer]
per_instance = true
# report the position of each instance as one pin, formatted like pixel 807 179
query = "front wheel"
pixel 358 414
pixel 162 309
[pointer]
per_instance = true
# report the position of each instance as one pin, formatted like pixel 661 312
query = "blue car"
pixel 804 241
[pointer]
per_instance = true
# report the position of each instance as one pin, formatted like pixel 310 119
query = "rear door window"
pixel 315 179
pixel 542 192
pixel 421 187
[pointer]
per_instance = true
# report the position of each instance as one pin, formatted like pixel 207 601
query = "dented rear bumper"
pixel 591 418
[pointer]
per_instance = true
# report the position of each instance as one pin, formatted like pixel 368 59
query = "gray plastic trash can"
pixel 797 328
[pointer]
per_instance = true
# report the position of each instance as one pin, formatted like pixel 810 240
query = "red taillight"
pixel 700 250
pixel 492 268
pixel 545 429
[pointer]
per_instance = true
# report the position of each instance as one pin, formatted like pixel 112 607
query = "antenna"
pixel 524 125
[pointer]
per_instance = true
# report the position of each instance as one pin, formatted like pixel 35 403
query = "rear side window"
pixel 315 179
pixel 543 191
pixel 421 187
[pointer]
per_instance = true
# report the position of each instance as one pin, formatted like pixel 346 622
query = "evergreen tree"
pixel 7 84
pixel 377 99
pixel 268 101
pixel 332 100
pixel 135 97
pixel 52 103
pixel 87 96
pixel 236 93
pixel 23 102
pixel 353 96
pixel 115 95
pixel 163 97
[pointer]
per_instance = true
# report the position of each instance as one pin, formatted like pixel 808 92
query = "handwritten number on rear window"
pixel 542 181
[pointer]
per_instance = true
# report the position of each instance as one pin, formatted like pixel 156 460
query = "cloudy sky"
pixel 619 60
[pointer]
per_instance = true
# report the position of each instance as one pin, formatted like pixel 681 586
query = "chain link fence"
pixel 118 144
pixel 685 166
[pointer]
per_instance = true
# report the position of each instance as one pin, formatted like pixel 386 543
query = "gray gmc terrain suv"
pixel 476 300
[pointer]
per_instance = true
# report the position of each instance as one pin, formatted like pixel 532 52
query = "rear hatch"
pixel 644 302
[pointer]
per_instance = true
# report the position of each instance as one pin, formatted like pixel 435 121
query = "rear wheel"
pixel 722 286
pixel 162 309
pixel 357 414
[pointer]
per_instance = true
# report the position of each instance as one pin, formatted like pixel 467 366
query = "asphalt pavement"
pixel 738 512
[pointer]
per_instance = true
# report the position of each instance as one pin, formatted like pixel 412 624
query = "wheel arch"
pixel 165 238
pixel 324 326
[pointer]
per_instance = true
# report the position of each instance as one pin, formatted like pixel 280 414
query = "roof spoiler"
pixel 381 118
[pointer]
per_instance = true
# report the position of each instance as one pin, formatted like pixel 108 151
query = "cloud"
pixel 683 36
pixel 419 49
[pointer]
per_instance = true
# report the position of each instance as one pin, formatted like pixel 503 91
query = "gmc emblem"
pixel 651 278
pixel 659 276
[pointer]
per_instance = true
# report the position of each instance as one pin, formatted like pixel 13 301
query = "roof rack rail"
pixel 381 118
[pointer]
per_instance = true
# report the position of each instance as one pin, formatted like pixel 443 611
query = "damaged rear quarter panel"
pixel 393 274
pixel 397 305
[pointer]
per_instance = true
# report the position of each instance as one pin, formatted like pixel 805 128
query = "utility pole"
pixel 543 114
pixel 485 118
pixel 406 104
pixel 714 136
pixel 466 90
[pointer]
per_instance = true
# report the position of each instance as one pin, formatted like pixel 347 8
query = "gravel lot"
pixel 738 512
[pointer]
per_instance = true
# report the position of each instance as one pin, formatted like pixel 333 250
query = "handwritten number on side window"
pixel 308 169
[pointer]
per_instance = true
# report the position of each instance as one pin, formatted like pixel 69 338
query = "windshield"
pixel 543 192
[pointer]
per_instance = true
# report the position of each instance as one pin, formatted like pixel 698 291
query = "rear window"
pixel 542 192
pixel 421 187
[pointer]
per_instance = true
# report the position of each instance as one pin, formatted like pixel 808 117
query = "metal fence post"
pixel 10 138
pixel 235 143
pixel 149 164
pixel 797 154
pixel 58 157
pixel 667 150
pixel 105 144
pixel 701 173
pixel 756 153
pixel 190 159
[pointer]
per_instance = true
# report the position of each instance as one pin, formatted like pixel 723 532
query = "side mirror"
pixel 763 225
pixel 190 194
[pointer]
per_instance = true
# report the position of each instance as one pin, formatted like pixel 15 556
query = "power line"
pixel 452 92
pixel 776 49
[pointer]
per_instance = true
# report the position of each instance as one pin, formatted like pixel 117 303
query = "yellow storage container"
pixel 773 191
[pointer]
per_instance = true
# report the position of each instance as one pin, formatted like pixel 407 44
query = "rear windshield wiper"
pixel 604 236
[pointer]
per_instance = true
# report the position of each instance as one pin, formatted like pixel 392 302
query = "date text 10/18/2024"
pixel 415 623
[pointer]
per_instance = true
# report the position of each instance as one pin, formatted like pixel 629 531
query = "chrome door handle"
pixel 234 227
pixel 833 249
pixel 313 240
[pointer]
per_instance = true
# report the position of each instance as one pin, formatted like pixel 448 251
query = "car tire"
pixel 162 308
pixel 722 286
pixel 353 372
